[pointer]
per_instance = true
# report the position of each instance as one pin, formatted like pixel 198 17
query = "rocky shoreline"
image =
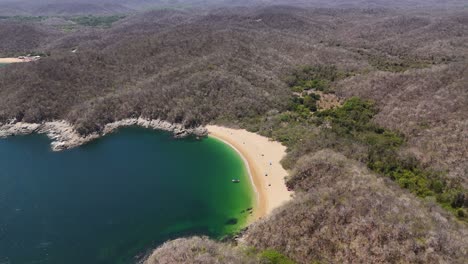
pixel 64 136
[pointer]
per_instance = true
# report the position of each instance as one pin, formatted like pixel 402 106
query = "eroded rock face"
pixel 18 128
pixel 64 135
pixel 178 129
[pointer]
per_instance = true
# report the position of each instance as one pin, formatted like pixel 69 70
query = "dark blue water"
pixel 116 198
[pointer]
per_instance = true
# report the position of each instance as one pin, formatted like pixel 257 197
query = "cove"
pixel 116 198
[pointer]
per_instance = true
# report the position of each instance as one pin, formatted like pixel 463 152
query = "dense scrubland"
pixel 343 213
pixel 372 104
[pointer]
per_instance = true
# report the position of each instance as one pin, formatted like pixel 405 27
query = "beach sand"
pixel 262 156
pixel 10 60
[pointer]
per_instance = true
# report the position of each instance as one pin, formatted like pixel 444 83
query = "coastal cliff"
pixel 64 135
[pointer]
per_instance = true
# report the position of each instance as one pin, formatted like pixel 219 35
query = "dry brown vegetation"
pixel 22 38
pixel 233 66
pixel 346 214
pixel 233 58
pixel 198 250
pixel 429 106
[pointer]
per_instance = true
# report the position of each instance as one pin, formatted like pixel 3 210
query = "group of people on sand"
pixel 266 174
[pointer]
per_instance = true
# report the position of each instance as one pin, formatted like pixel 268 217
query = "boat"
pixel 235 180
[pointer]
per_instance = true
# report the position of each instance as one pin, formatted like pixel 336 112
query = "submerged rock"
pixel 231 221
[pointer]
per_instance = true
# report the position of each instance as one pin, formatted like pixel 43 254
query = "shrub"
pixel 96 21
pixel 316 77
pixel 461 213
pixel 271 256
pixel 310 103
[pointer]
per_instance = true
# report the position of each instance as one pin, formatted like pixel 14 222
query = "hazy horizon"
pixel 71 7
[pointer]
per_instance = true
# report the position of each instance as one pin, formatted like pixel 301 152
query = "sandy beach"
pixel 263 158
pixel 10 60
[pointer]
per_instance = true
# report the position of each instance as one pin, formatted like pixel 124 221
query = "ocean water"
pixel 3 64
pixel 113 200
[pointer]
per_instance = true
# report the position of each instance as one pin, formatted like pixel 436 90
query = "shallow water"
pixel 115 198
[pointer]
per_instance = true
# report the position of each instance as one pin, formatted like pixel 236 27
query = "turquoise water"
pixel 3 64
pixel 115 198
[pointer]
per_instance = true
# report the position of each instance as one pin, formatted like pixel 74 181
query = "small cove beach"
pixel 19 59
pixel 10 60
pixel 262 157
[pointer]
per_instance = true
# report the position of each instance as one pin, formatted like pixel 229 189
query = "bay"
pixel 113 200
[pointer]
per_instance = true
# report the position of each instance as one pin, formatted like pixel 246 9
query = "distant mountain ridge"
pixel 62 8
pixel 70 9
pixel 109 7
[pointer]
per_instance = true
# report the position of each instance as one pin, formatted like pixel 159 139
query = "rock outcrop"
pixel 64 135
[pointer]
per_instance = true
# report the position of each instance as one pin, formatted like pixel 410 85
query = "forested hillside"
pixel 372 104
pixel 20 38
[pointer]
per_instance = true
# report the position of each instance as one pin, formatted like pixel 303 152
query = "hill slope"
pixel 260 68
pixel 342 213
